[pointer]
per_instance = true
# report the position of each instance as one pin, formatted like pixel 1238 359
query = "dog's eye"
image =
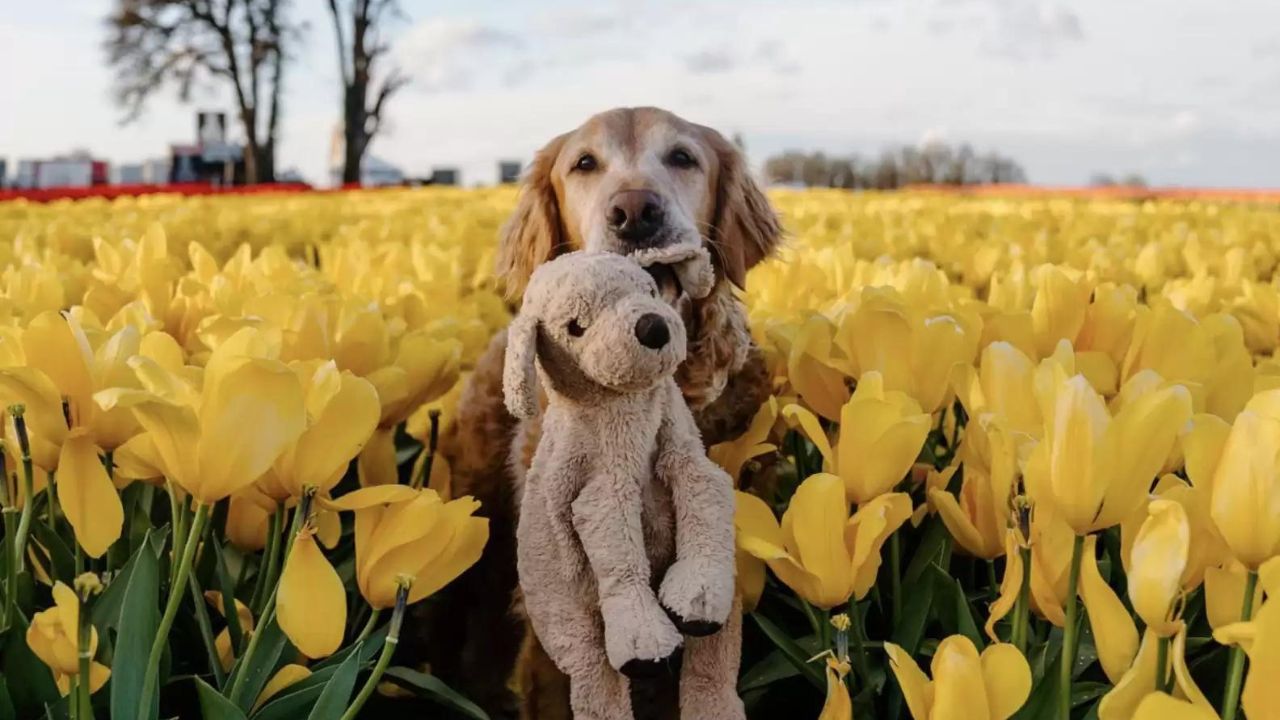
pixel 575 328
pixel 681 158
pixel 586 163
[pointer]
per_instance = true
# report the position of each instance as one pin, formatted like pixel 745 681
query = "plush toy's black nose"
pixel 651 331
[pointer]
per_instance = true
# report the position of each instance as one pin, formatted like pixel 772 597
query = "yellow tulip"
pixel 342 412
pixel 1246 484
pixel 881 434
pixel 53 634
pixel 1173 344
pixel 214 444
pixel 914 352
pixel 965 685
pixel 1261 696
pixel 1206 550
pixel 1157 563
pixel 411 533
pixel 425 368
pixel 1060 305
pixel 1139 681
pixel 1001 385
pixel 820 552
pixel 1095 469
pixel 977 519
pixel 818 377
pixel 733 455
pixel 837 706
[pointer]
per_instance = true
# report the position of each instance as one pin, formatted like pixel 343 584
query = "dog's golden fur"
pixel 724 379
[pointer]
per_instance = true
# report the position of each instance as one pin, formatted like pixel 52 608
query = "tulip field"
pixel 1021 457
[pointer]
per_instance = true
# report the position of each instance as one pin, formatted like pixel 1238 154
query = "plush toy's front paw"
pixel 640 639
pixel 697 595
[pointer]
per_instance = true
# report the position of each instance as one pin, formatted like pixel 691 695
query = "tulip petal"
pixel 752 517
pixel 1113 630
pixel 917 689
pixel 371 497
pixel 336 435
pixel 233 453
pixel 1159 706
pixel 957 674
pixel 1010 585
pixel 812 430
pixel 284 677
pixel 1157 562
pixel 867 531
pixel 1138 681
pixel 837 705
pixel 1007 677
pixel 377 462
pixel 311 601
pixel 816 517
pixel 1136 445
pixel 87 495
pixel 958 524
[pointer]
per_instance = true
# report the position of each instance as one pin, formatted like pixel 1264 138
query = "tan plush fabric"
pixel 625 535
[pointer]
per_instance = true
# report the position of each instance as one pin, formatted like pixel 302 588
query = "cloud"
pixel 444 55
pixel 710 61
pixel 1016 29
pixel 1266 49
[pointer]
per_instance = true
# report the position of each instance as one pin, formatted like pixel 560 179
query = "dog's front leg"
pixel 698 588
pixel 607 518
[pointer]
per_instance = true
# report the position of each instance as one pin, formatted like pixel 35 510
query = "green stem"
pixel 271 558
pixel 1022 615
pixel 151 675
pixel 11 576
pixel 51 512
pixel 24 521
pixel 179 538
pixel 84 709
pixel 388 649
pixel 1235 670
pixel 992 582
pixel 895 574
pixel 1068 660
pixel 1162 662
pixel 824 630
pixel 374 615
pixel 206 630
pixel 813 617
pixel 268 614
pixel 429 452
pixel 857 637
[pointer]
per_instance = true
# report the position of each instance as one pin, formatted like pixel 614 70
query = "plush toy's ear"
pixel 519 374
pixel 533 234
pixel 744 230
pixel 696 275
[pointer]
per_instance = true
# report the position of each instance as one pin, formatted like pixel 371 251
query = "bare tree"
pixel 154 43
pixel 357 25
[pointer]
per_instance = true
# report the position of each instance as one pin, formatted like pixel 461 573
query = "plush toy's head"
pixel 596 322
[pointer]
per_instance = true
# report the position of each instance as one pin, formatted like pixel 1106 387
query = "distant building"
pixel 129 174
pixel 444 176
pixel 75 169
pixel 508 171
pixel 4 170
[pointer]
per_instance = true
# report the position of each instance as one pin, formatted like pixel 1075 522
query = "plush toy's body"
pixel 625 536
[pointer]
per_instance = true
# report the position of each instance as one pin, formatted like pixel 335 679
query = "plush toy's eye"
pixel 586 163
pixel 653 292
pixel 575 328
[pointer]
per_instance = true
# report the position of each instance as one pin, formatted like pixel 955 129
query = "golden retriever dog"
pixel 625 179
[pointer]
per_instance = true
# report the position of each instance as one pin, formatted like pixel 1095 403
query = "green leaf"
pixel 337 692
pixel 915 616
pixel 366 650
pixel 956 614
pixel 214 706
pixel 137 622
pixel 932 541
pixel 792 650
pixel 432 687
pixel 61 558
pixel 264 662
pixel 7 711
pixel 28 679
pixel 227 588
pixel 296 700
pixel 775 666
pixel 106 609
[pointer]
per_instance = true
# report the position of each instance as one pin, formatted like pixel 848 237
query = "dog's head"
pixel 595 320
pixel 633 179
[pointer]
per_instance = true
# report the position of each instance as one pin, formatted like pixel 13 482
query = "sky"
pixel 1183 92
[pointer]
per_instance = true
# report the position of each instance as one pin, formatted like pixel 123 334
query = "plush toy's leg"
pixel 571 634
pixel 709 678
pixel 638 635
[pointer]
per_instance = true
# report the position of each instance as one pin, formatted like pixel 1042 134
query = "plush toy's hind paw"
pixel 693 628
pixel 697 596
pixel 640 636
pixel 642 669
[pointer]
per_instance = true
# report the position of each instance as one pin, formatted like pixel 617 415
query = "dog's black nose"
pixel 635 216
pixel 651 331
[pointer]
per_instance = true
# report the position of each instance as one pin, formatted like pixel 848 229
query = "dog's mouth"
pixel 669 287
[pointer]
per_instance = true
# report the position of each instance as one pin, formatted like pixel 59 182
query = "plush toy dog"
pixel 621 499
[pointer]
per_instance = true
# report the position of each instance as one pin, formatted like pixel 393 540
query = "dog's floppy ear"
pixel 745 230
pixel 533 234
pixel 519 375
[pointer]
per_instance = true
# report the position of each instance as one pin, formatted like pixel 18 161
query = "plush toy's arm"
pixel 698 589
pixel 607 518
